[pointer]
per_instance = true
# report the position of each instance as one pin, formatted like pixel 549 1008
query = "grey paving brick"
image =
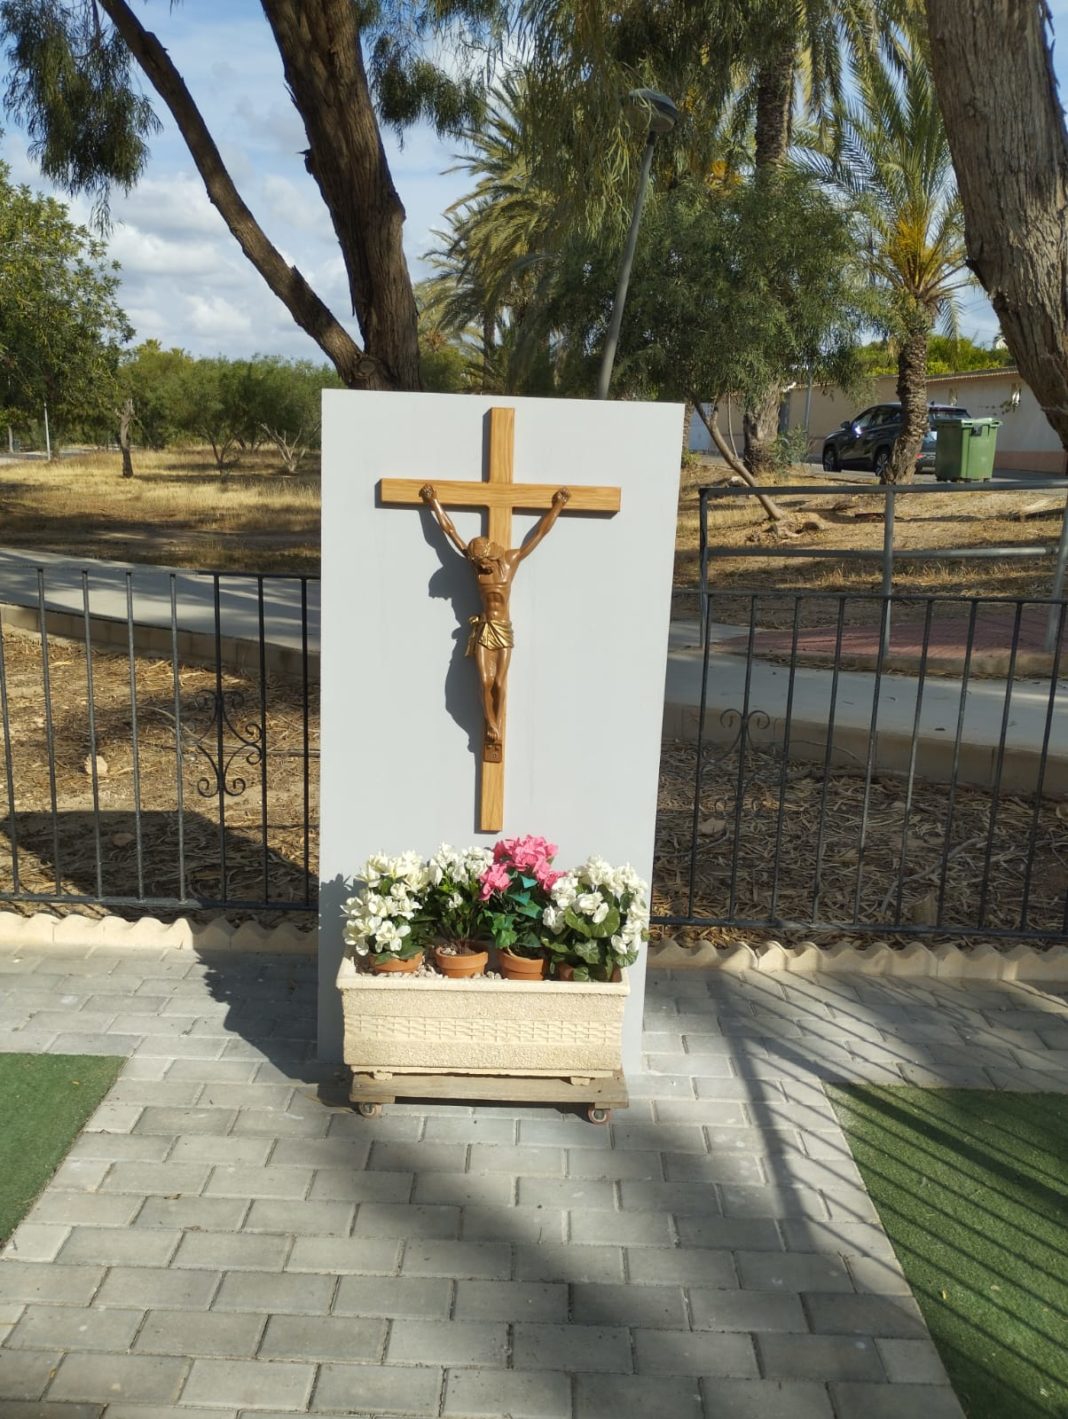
pixel 453 1342
pixel 185 1047
pixel 874 1401
pixel 392 1296
pixel 396 1127
pixel 767 1399
pixel 573 1348
pixel 388 1219
pixel 612 1165
pixel 149 1287
pixel 754 1140
pixel 255 1384
pixel 199 1333
pixel 679 1352
pixel 25 1373
pixel 275 1291
pixel 80 1174
pixel 629 1229
pixel 224 1151
pixel 720 1166
pixel 461 1189
pixel 48 1281
pixel 90 1042
pixel 697 1266
pixel 202 1214
pixel 305 1219
pixel 122 1147
pixel 271 1123
pixel 568 1192
pixel 184 1121
pixel 348 1153
pixel 489 1260
pixel 772 1200
pixel 511 1301
pixel 238 1251
pixel 751 1233
pixel 911 1361
pixel 323 1338
pixel 746 1310
pixel 217 1071
pixel 793 1272
pixel 165 1178
pixel 524 1160
pixel 36 1241
pixel 243 1180
pixel 656 1307
pixel 473 1128
pixel 819 1357
pixel 143 1379
pixel 115 1246
pixel 220 1094
pixel 651 1396
pixel 352 1185
pixel 551 1262
pixel 378 1389
pixel 368 1255
pixel 75 1328
pixel 175 1093
pixel 513 1224
pixel 661 1137
pixel 562 1131
pixel 897 1316
pixel 42 1409
pixel 487 1394
pixel 841 1238
pixel 720 1113
pixel 681 1199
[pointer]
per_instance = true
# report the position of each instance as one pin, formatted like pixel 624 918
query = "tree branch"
pixel 355 367
pixel 711 423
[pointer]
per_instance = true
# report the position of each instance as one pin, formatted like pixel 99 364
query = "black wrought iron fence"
pixel 160 739
pixel 877 764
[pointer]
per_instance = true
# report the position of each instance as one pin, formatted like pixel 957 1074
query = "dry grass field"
pixel 176 510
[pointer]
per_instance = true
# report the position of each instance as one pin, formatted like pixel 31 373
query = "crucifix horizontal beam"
pixel 490 643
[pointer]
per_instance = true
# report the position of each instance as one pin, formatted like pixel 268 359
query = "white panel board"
pixel 400 710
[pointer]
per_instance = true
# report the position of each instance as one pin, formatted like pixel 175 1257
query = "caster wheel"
pixel 369 1110
pixel 596 1114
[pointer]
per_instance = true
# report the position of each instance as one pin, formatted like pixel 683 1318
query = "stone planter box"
pixel 420 1025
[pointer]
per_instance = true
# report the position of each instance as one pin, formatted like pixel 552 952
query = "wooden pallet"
pixel 599 1096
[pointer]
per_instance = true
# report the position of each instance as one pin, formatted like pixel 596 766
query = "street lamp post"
pixel 662 117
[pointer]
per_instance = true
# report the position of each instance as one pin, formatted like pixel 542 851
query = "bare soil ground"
pixel 236 860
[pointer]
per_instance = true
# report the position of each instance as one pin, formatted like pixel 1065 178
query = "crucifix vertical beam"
pixel 498 496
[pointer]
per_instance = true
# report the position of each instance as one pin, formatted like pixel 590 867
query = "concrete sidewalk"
pixel 226 1238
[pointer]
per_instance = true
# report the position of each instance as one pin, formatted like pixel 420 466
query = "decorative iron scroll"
pixel 217 712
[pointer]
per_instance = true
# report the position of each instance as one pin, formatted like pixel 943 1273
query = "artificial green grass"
pixel 972 1188
pixel 44 1100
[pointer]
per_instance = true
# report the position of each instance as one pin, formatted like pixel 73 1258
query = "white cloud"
pixel 215 319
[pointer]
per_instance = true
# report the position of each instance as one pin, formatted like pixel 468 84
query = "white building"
pixel 1026 442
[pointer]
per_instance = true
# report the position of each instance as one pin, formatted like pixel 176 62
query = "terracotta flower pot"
pixel 393 965
pixel 468 960
pixel 522 967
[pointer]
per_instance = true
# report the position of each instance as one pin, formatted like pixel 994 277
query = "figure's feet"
pixel 491 747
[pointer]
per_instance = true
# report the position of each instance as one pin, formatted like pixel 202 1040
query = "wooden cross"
pixel 499 496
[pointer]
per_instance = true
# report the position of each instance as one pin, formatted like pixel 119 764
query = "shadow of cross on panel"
pixel 495 561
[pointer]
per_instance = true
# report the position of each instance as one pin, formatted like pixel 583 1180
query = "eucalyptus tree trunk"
pixel 760 430
pixel 993 70
pixel 126 417
pixel 912 392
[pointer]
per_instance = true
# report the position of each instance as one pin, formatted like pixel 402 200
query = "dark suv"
pixel 868 440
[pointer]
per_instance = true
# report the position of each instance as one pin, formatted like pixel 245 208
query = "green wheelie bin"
pixel 965 449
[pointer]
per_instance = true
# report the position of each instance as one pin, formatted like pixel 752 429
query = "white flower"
pixel 588 902
pixel 600 913
pixel 456 901
pixel 553 918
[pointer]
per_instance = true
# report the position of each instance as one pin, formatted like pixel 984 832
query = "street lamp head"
pixel 663 113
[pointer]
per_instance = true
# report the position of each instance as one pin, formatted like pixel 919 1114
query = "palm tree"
pixel 893 161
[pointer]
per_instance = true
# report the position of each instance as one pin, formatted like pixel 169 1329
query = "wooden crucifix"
pixel 495 562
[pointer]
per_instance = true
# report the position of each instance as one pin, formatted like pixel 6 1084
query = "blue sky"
pixel 184 280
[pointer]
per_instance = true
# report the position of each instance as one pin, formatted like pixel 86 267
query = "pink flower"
pixel 524 854
pixel 494 879
pixel 544 874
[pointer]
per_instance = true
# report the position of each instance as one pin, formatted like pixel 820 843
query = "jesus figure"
pixel 490 641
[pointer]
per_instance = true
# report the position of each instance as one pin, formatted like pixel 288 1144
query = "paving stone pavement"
pixel 227 1238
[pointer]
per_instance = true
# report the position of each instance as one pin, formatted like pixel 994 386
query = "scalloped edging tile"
pixel 43 930
pixel 1022 962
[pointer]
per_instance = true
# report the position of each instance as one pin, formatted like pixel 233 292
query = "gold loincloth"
pixel 494 635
